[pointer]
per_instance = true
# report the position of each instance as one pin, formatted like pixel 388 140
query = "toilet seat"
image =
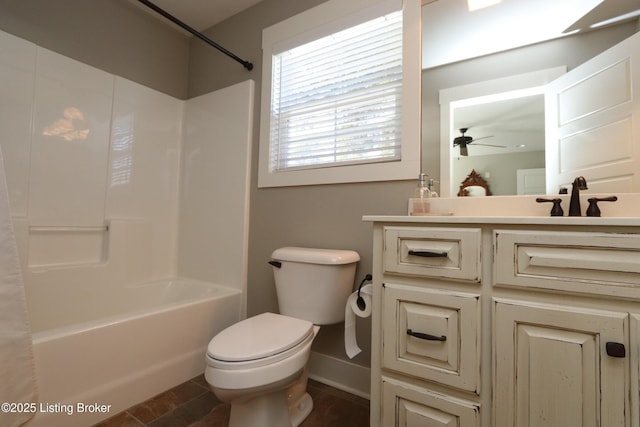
pixel 258 341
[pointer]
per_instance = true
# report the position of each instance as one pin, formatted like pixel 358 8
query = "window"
pixel 340 98
pixel 337 100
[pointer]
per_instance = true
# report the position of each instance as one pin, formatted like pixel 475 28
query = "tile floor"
pixel 192 404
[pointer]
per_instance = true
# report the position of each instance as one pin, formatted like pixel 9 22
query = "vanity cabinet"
pixel 505 322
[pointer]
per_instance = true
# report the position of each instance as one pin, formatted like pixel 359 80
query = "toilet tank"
pixel 314 284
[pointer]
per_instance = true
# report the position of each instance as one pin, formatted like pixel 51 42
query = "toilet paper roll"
pixel 352 310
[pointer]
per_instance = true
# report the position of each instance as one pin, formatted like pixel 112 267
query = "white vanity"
pixel 505 321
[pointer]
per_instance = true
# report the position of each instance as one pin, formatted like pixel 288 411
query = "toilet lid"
pixel 258 337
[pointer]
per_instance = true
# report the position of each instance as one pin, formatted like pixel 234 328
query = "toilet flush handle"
pixel 276 264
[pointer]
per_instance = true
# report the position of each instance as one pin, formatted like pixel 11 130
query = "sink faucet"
pixel 578 184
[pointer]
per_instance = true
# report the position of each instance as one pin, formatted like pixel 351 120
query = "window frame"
pixel 327 18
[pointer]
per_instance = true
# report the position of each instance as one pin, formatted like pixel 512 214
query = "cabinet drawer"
pixel 600 263
pixel 404 405
pixel 431 334
pixel 435 252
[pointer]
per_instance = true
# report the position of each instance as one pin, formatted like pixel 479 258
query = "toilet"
pixel 258 365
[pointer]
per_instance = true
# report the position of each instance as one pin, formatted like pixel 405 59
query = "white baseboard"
pixel 341 374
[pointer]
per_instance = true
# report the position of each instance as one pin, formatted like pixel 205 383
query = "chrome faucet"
pixel 578 184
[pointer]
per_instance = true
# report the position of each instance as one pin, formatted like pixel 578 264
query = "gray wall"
pixel 118 37
pixel 324 216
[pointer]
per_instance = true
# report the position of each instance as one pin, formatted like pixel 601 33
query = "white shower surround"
pixel 160 185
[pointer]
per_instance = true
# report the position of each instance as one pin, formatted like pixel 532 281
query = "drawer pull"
pixel 429 254
pixel 615 349
pixel 428 337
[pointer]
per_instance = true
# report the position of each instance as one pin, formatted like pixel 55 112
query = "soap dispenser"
pixel 419 202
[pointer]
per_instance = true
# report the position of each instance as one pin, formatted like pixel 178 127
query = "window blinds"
pixel 337 100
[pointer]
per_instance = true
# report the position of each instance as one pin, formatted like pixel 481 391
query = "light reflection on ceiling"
pixel 452 33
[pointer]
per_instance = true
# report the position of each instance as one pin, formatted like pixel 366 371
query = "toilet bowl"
pixel 259 364
pixel 255 374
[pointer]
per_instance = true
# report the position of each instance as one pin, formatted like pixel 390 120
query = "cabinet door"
pixel 405 405
pixel 552 366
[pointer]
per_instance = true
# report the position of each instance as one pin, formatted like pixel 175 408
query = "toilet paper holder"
pixel 360 301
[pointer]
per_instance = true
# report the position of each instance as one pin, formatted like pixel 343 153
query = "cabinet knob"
pixel 615 349
pixel 424 336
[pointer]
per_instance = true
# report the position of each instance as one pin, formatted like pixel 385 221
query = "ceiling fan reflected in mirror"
pixel 464 140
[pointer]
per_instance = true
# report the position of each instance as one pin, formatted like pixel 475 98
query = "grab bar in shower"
pixel 63 228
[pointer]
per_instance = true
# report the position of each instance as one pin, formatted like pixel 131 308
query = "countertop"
pixel 516 220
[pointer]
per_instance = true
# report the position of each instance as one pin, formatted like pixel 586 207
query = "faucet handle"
pixel 593 209
pixel 556 210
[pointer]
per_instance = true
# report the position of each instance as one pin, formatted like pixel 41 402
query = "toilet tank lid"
pixel 315 256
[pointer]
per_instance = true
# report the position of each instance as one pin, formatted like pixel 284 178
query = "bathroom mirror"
pixel 472 107
pixel 504 122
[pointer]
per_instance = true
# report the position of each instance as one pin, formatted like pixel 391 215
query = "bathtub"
pixel 152 337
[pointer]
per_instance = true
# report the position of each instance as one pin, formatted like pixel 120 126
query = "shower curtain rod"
pixel 248 65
